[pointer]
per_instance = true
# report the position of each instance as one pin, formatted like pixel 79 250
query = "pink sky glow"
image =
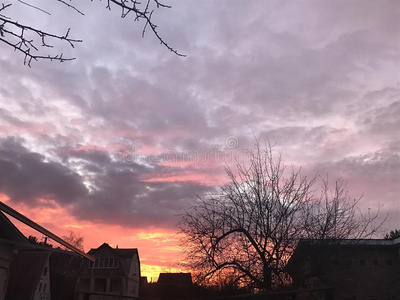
pixel 115 144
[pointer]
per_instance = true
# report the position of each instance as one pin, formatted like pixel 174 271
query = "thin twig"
pixel 35 7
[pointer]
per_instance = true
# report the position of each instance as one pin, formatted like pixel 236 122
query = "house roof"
pixel 307 246
pixel 126 255
pixel 348 243
pixel 175 279
pixel 121 252
pixel 9 232
pixel 20 217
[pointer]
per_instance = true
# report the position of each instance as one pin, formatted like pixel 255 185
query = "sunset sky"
pixel 115 144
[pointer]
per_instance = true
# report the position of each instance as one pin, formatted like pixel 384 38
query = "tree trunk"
pixel 267 276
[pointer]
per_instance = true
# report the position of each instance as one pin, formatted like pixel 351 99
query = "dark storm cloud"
pixel 317 78
pixel 119 193
pixel 26 176
pixel 116 194
pixel 124 200
pixel 95 157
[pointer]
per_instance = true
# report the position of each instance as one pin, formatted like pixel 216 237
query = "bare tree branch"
pixel 251 228
pixel 30 40
pixel 35 7
pixel 71 6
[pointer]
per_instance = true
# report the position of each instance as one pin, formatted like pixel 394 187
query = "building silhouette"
pixel 347 269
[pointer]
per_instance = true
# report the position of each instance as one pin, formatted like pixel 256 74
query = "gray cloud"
pixel 116 192
pixel 121 195
pixel 26 176
pixel 318 78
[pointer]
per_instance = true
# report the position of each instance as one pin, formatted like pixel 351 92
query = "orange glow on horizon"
pixel 158 248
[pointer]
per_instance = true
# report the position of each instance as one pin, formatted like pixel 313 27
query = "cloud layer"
pixel 128 132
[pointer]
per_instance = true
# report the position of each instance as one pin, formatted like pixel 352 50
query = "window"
pixel 101 262
pixel 389 262
pixel 376 262
pixel 105 263
pixel 116 285
pixel 45 271
pixel 44 288
pixel 111 262
pixel 100 284
pixel 362 262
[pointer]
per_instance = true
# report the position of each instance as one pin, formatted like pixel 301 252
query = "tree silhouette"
pixel 393 234
pixel 75 240
pixel 251 227
pixel 31 41
pixel 35 241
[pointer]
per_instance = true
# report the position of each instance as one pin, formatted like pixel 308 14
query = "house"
pixel 347 269
pixel 29 276
pixel 175 286
pixel 33 271
pixel 115 271
pixel 11 239
pixel 29 271
pixel 43 274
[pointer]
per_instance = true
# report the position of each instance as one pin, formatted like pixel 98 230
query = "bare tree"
pixel 335 215
pixel 251 227
pixel 75 240
pixel 31 41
